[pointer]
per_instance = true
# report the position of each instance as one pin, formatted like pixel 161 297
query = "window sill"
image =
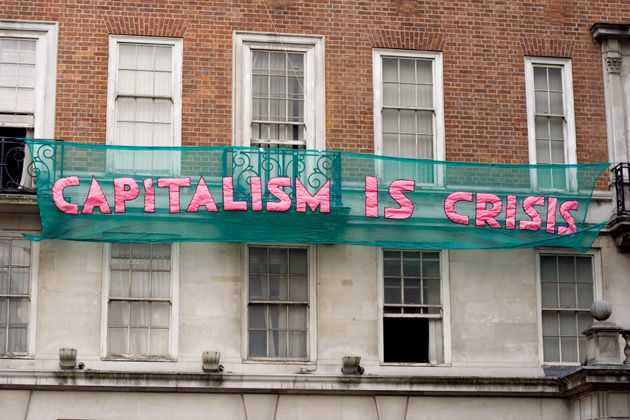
pixel 139 359
pixel 19 356
pixel 278 361
pixel 393 364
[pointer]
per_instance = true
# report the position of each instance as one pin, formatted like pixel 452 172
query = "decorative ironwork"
pixel 45 161
pixel 621 173
pixel 312 167
pixel 13 174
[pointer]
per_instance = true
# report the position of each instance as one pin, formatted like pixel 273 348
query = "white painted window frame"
pixel 311 336
pixel 445 296
pixel 314 82
pixel 45 71
pixel 114 42
pixel 570 154
pixel 174 327
pixel 439 148
pixel 595 253
pixel 34 281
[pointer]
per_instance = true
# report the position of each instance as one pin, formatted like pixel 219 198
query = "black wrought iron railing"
pixel 621 173
pixel 16 168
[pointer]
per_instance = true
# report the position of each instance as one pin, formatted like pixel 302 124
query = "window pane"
pixel 21 253
pixel 297 317
pixel 556 126
pixel 140 283
pixel 159 341
pixel 551 349
pixel 5 252
pixel 412 292
pixel 566 269
pixel 298 289
pixel 555 100
pixel 139 340
pixel 408 96
pixel 411 264
pixel 568 323
pixel 425 96
pixel 278 287
pixel 278 317
pixel 584 269
pixel 542 106
pixel 390 94
pixel 126 56
pixel 277 343
pixel 119 284
pixel 297 344
pixel 18 312
pixel 430 268
pixel 278 261
pixel 567 295
pixel 257 343
pixel 390 70
pixel 569 349
pixel 257 317
pixel 19 281
pixel 298 261
pixel 540 78
pixel 17 340
pixel 140 313
pixel 549 295
pixel 160 284
pixel 258 286
pixel 550 323
pixel 392 293
pixel 4 280
pixel 407 71
pixel 584 320
pixel 163 59
pixel 585 295
pixel 160 314
pixel 118 313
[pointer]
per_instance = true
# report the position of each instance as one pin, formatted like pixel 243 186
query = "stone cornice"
pixel 601 31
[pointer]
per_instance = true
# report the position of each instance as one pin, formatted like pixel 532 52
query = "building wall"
pixel 483 45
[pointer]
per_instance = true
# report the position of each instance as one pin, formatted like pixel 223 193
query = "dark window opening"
pixel 406 340
pixel 11 157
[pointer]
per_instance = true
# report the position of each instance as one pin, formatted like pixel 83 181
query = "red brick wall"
pixel 483 42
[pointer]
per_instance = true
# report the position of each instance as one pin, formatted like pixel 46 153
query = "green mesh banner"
pixel 104 193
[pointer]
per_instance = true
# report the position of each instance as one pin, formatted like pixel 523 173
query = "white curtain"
pixel 436 346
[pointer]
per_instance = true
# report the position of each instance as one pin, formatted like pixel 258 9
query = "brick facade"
pixel 483 44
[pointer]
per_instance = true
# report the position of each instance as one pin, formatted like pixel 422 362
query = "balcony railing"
pixel 621 173
pixel 16 169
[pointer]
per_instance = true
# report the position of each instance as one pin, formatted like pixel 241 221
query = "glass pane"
pixel 425 96
pixel 118 313
pixel 391 264
pixel 557 153
pixel 393 294
pixel 550 323
pixel 27 51
pixel 120 251
pixel 390 70
pixel 126 84
pixel 163 84
pixel 21 253
pixel 17 340
pixel 431 296
pixel 278 287
pixel 278 261
pixel 126 56
pixel 566 269
pixel 424 69
pixel 119 284
pixel 411 264
pixel 138 340
pixel 160 314
pixel 278 317
pixel 159 341
pixel 549 295
pixel 297 344
pixel 140 283
pixel 145 60
pixel 555 100
pixel 584 269
pixel 4 280
pixel 541 103
pixel 298 290
pixel 163 58
pixel 542 128
pixel 5 252
pixel 258 286
pixel 277 343
pixel 585 295
pixel 390 145
pixel 584 320
pixel 257 317
pixel 567 295
pixel 160 284
pixel 555 78
pixel 257 260
pixel 260 60
pixel 257 343
pixel 140 313
pixel 408 96
pixel 390 94
pixel 568 324
pixel 569 349
pixel 548 269
pixel 3 315
pixel 430 269
pixel 412 292
pixel 540 78
pixel 551 349
pixel 19 281
pixel 407 71
pixel 117 341
pixel 297 317
pixel 557 128
pixel 18 312
pixel 144 83
pixel 298 261
pixel 161 257
pixel 390 121
pixel 295 64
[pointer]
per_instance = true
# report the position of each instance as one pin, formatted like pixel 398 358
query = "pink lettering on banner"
pixel 273 185
pixel 528 207
pixel 149 196
pixel 228 196
pixel 96 198
pixel 485 215
pixel 405 209
pixel 371 196
pixel 125 189
pixel 510 212
pixel 449 206
pixel 551 215
pixel 202 198
pixel 256 190
pixel 173 185
pixel 57 194
pixel 321 198
pixel 565 209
